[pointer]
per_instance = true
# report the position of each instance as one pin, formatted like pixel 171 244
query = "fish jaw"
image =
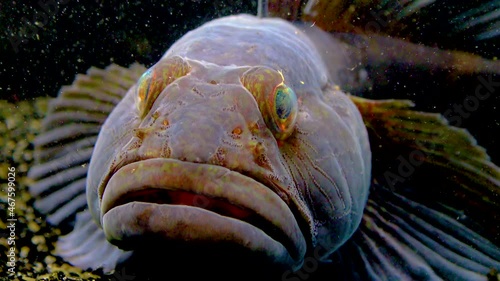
pixel 172 200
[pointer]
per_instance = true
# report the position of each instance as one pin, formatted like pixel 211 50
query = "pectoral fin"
pixel 448 229
pixel 400 239
pixel 62 153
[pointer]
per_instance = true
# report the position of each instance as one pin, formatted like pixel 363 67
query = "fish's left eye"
pixel 277 102
pixel 156 79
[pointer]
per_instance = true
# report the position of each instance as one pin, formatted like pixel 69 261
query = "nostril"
pixel 237 131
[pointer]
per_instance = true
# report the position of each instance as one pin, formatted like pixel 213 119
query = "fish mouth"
pixel 189 202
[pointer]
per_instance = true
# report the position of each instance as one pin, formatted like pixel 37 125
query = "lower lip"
pixel 233 197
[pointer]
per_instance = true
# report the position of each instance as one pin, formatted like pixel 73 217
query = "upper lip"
pixel 208 180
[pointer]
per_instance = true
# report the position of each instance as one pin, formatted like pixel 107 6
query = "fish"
pixel 257 144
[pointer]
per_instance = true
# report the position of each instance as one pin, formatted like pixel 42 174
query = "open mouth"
pixel 178 200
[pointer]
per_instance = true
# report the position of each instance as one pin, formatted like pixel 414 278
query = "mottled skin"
pixel 204 134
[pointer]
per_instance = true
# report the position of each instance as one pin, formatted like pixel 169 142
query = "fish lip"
pixel 209 180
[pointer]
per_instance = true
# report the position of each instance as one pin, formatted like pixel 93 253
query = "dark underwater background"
pixel 44 44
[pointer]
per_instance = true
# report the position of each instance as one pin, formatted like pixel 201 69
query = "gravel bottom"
pixel 34 239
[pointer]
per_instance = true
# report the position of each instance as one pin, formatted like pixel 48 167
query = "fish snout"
pixel 202 167
pixel 205 123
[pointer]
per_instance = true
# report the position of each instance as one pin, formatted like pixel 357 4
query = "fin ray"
pixel 470 180
pixel 48 184
pixel 72 116
pixel 62 153
pixel 72 158
pixel 68 210
pixel 63 133
pixel 414 238
pixel 449 241
pixel 49 153
pixel 87 247
pixel 50 202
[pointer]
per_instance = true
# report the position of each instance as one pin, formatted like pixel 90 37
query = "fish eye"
pixel 156 79
pixel 277 102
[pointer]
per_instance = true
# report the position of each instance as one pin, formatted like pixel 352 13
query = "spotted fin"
pixel 62 154
pixel 433 186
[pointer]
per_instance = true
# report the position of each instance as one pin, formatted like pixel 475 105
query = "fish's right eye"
pixel 156 79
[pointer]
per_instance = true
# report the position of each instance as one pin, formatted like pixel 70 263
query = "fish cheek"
pixel 327 163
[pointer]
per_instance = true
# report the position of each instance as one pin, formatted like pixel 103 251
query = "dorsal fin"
pixel 459 25
pixel 69 131
pixel 262 10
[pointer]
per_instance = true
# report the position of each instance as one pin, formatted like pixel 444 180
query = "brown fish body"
pixel 204 137
pixel 240 146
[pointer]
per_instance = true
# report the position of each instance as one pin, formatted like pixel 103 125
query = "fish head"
pixel 252 153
